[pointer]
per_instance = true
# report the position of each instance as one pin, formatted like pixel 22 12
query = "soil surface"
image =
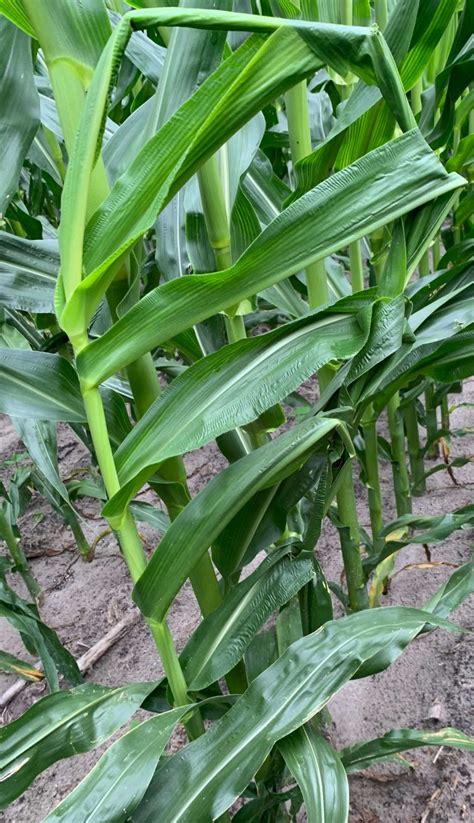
pixel 430 685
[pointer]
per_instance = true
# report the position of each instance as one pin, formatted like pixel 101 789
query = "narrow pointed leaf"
pixel 201 782
pixel 221 639
pixel 362 755
pixel 387 183
pixel 62 725
pixel 39 385
pixel 318 770
pixel 434 530
pixel 39 437
pixel 13 665
pixel 459 586
pixel 20 107
pixel 114 787
pixel 195 528
pixel 38 638
pixel 28 272
pixel 174 153
pixel 15 11
pixel 236 384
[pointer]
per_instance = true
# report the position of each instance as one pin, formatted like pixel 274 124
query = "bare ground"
pixel 428 687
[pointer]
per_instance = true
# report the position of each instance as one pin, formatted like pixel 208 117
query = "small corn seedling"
pixel 185 190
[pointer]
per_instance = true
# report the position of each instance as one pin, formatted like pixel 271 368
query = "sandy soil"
pixel 429 686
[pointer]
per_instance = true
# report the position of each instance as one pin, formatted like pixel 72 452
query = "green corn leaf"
pixel 38 638
pixel 452 82
pixel 385 337
pixel 421 228
pixel 20 107
pixel 236 384
pixel 439 329
pixel 114 787
pixel 202 781
pixel 361 104
pixel 452 593
pixel 264 189
pixel 365 121
pixel 422 290
pixel 74 32
pixel 191 56
pixel 13 665
pixel 39 385
pixel 145 54
pixel 126 141
pixel 433 530
pixel 62 725
pixel 394 273
pixel 378 124
pixel 362 755
pixel 318 223
pixel 318 770
pixel 221 639
pixel 431 24
pixel 288 624
pixel 174 158
pixel 14 10
pixel 263 520
pixel 207 514
pixel 28 272
pixel 39 437
pixel 453 360
pixel 147 513
pixel 262 652
pixel 162 154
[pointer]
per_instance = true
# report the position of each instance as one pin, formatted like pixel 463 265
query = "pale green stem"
pixel 132 549
pixel 235 328
pixel 216 216
pixel 69 90
pixel 56 153
pixel 424 264
pixel 218 231
pixel 351 540
pixel 357 268
pixel 346 502
pixel 369 425
pixel 414 449
pixel 299 132
pixel 146 388
pixel 350 543
pixel 416 96
pixel 215 212
pixel 436 252
pixel 401 480
pixel 431 421
pixel 14 547
pixel 381 13
pixel 346 12
pixel 445 413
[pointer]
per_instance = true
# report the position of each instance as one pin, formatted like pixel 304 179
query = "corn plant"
pixel 177 179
